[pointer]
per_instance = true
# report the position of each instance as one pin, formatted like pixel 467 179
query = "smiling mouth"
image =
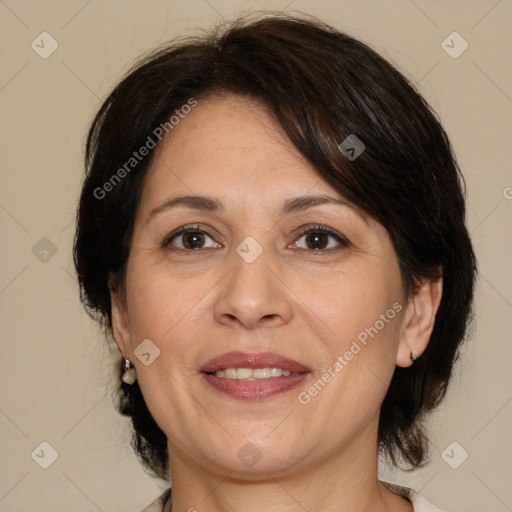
pixel 253 375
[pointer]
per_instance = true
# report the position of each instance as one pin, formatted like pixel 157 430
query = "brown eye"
pixel 190 240
pixel 320 239
pixel 316 240
pixel 193 240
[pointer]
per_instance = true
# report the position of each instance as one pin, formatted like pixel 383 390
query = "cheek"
pixel 364 312
pixel 156 312
pixel 360 365
pixel 170 310
pixel 354 303
pixel 159 301
pixel 166 310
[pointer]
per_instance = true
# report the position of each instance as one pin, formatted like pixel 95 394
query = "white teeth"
pixel 260 373
pixel 253 374
pixel 243 373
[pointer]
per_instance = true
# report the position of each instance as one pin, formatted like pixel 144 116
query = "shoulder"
pixel 159 504
pixel 419 503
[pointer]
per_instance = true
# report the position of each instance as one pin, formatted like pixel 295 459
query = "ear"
pixel 419 318
pixel 119 313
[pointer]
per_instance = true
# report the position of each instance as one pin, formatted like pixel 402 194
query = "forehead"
pixel 231 152
pixel 226 146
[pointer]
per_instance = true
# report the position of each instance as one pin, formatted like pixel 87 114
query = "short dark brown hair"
pixel 322 86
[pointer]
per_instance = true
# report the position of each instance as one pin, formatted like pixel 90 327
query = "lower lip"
pixel 254 389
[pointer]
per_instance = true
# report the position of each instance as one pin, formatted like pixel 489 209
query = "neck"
pixel 344 481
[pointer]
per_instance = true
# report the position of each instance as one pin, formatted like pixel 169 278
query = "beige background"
pixel 55 370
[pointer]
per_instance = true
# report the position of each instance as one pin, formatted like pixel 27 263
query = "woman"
pixel 272 228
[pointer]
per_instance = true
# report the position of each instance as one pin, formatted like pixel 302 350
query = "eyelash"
pixel 319 228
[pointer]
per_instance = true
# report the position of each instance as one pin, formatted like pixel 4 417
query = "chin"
pixel 253 457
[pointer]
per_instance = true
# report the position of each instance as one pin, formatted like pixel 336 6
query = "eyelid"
pixel 180 231
pixel 320 228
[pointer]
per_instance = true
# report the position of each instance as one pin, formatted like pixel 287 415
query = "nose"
pixel 253 295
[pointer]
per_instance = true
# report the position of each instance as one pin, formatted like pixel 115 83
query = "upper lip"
pixel 253 360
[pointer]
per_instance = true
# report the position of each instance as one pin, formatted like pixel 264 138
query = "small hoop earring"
pixel 414 355
pixel 129 376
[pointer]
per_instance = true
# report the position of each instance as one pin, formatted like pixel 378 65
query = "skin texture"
pixel 303 303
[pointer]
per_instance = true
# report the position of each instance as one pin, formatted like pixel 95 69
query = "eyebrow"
pixel 210 204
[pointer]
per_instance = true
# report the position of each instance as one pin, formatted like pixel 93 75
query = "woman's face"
pixel 257 273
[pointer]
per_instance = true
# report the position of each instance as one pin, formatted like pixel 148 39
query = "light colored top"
pixel 419 503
